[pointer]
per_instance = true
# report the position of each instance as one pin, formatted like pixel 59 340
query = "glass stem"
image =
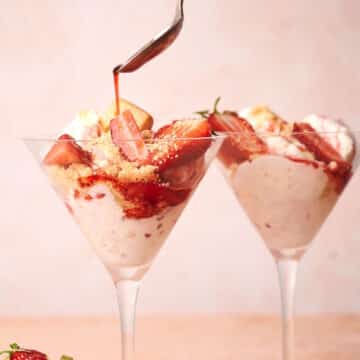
pixel 127 292
pixel 287 269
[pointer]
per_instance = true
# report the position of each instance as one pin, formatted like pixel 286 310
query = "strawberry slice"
pixel 180 142
pixel 185 176
pixel 322 150
pixel 126 135
pixel 240 145
pixel 66 152
pixel 228 121
pixel 230 152
pixel 149 199
pixel 153 194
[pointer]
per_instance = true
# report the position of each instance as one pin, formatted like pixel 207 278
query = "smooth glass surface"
pixel 287 198
pixel 127 217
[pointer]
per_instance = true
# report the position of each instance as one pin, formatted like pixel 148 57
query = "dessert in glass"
pixel 126 185
pixel 287 176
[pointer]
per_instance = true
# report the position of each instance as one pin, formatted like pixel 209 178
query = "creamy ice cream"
pixel 121 242
pixel 292 174
pixel 127 188
pixel 286 200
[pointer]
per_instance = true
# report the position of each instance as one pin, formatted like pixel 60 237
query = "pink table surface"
pixel 224 337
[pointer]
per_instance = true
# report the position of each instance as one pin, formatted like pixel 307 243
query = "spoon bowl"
pixel 157 45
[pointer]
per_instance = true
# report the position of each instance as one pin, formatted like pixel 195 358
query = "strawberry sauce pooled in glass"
pixel 124 183
pixel 287 176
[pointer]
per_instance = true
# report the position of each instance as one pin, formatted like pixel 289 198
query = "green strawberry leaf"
pixel 215 110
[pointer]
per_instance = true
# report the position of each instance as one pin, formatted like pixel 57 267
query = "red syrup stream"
pixel 117 93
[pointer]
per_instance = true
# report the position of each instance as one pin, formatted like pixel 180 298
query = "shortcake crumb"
pixel 263 119
pixel 65 179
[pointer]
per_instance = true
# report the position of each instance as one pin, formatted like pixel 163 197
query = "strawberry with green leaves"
pixel 17 353
pixel 126 135
pixel 242 142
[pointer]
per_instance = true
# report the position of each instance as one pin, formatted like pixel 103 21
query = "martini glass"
pixel 125 242
pixel 287 199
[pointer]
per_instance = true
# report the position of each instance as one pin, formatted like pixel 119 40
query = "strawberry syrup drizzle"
pixel 340 179
pixel 117 93
pixel 148 198
pixel 312 163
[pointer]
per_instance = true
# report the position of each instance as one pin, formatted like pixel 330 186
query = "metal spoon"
pixel 157 45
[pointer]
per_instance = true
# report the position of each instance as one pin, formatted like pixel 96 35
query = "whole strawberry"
pixel 18 353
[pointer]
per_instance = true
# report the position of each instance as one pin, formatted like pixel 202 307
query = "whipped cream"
pixel 262 119
pixel 82 126
pixel 335 133
pixel 274 131
pixel 286 146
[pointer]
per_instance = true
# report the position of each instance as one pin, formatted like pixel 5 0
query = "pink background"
pixel 298 56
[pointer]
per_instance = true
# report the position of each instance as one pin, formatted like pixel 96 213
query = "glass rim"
pixel 287 134
pixel 213 137
pixel 147 141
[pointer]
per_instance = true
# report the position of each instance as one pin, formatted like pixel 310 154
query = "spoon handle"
pixel 156 46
